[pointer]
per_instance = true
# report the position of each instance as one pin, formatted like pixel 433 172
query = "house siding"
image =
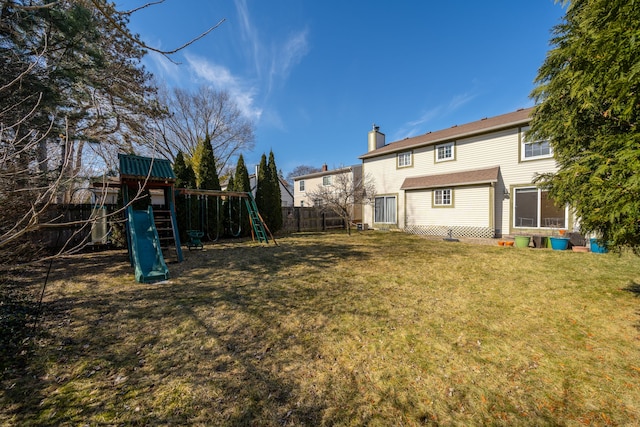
pixel 315 180
pixel 477 208
pixel 471 212
pixel 470 207
pixel 300 197
pixel 388 181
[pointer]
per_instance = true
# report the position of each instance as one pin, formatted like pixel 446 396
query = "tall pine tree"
pixel 211 209
pixel 275 203
pixel 241 179
pixel 262 189
pixel 588 98
pixel 229 211
pixel 185 178
pixel 207 173
pixel 242 184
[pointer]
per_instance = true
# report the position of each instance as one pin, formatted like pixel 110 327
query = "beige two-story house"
pixel 305 185
pixel 472 180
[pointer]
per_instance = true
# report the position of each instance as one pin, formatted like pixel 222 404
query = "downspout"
pixel 492 208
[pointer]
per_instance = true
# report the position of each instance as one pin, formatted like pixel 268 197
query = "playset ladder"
pixel 164 222
pixel 256 220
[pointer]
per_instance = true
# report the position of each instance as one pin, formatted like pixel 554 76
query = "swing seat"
pixel 195 236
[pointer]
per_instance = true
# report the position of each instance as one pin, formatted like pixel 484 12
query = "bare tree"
pixel 299 171
pixel 192 116
pixel 71 85
pixel 349 188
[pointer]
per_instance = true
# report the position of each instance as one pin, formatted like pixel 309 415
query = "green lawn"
pixel 326 329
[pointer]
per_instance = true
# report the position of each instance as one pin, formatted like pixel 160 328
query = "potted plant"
pixel 522 241
pixel 597 248
pixel 559 243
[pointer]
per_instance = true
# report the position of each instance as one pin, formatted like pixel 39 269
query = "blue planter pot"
pixel 559 243
pixel 596 248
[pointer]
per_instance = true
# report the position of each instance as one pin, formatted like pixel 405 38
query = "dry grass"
pixel 376 329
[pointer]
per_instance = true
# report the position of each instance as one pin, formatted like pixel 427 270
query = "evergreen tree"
pixel 263 188
pixel 229 211
pixel 208 180
pixel 275 203
pixel 185 178
pixel 71 75
pixel 588 107
pixel 207 173
pixel 242 183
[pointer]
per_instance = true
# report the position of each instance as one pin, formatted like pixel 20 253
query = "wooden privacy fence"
pixel 77 224
pixel 85 224
pixel 296 219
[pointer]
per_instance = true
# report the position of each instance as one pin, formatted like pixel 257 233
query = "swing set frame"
pixel 196 235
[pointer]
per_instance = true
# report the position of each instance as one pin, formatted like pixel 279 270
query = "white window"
pixel 404 159
pixel 534 149
pixel 326 180
pixel 442 197
pixel 302 185
pixel 445 152
pixel 385 210
pixel 534 209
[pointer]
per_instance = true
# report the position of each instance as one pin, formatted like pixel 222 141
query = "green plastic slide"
pixel 146 254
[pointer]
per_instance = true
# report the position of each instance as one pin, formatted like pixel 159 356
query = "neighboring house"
pixel 474 180
pixel 304 184
pixel 286 197
pixel 106 191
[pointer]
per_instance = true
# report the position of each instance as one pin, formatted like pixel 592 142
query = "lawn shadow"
pixel 20 289
pixel 634 288
pixel 128 339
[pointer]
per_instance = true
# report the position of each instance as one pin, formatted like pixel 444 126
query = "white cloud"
pixel 277 59
pixel 415 127
pixel 249 33
pixel 271 59
pixel 292 52
pixel 221 78
pixel 161 67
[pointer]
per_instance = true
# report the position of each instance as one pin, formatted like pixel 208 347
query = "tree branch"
pixel 127 34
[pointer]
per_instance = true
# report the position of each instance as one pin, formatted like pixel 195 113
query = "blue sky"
pixel 315 75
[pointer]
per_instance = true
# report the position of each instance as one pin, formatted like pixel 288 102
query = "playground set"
pixel 150 231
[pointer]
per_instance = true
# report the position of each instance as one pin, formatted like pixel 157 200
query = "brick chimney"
pixel 324 168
